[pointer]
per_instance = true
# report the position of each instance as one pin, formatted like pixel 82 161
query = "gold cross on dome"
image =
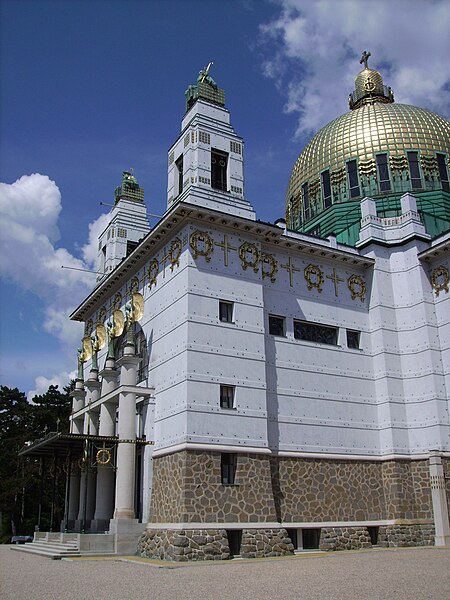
pixel 335 279
pixel 290 269
pixel 226 247
pixel 364 58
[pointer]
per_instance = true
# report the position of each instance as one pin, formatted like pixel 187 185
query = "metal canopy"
pixel 57 444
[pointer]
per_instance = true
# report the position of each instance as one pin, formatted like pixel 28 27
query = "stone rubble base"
pixel 212 544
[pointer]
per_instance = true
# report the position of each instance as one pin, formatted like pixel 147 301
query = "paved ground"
pixel 394 574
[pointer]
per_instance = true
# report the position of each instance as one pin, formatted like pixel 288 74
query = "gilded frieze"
pixel 272 263
pixel 357 287
pixel 250 256
pixel 175 253
pixel 440 279
pixel 201 244
pixel 314 277
pixel 153 270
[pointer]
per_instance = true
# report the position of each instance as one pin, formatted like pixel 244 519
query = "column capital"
pixel 128 360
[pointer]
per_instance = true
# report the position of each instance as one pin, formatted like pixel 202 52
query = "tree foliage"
pixel 22 422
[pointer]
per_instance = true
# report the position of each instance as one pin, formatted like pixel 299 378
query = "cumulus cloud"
pixel 313 50
pixel 43 383
pixel 29 257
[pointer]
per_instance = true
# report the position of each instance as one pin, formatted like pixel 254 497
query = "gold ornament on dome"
pixel 207 244
pixel 268 259
pixel 175 253
pixel 153 270
pixel 245 250
pixel 440 279
pixel 357 287
pixel 314 277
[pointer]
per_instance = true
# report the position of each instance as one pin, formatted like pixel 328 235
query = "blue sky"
pixel 90 88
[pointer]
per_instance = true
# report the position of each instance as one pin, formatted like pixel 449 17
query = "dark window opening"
pixel 443 173
pixel 312 332
pixel 414 172
pixel 228 463
pixel 276 325
pixel 326 188
pixel 383 173
pixel 305 198
pixel 131 246
pixel 234 541
pixel 353 181
pixel 219 162
pixel 226 396
pixel 311 538
pixel 179 166
pixel 373 532
pixel 353 338
pixel 226 312
pixel 293 536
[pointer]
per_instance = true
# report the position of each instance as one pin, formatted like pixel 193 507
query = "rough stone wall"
pixel 262 543
pixel 344 538
pixel 406 535
pixel 184 545
pixel 407 489
pixel 188 489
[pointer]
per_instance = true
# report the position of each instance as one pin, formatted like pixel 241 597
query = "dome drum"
pixel 378 149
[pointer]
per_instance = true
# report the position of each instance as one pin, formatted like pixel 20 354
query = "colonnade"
pixel 104 496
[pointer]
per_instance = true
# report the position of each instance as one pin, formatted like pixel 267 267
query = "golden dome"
pixel 375 126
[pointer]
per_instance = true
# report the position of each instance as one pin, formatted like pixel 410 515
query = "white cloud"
pixel 29 212
pixel 43 383
pixel 315 48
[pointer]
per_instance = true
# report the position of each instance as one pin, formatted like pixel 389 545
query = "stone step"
pixel 42 550
pixel 54 546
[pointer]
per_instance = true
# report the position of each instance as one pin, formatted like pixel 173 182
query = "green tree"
pixel 21 423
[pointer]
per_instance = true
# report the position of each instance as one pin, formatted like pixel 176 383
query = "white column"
pixel 78 398
pixel 126 450
pixel 105 473
pixel 439 500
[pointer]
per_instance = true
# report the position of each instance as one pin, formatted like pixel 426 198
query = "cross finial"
pixel 364 58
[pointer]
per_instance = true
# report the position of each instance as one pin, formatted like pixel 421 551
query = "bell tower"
pixel 206 162
pixel 127 225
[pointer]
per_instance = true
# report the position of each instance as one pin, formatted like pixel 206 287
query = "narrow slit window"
pixel 443 173
pixel 179 166
pixel 353 338
pixel 226 312
pixel 326 188
pixel 219 163
pixel 383 173
pixel 226 396
pixel 414 172
pixel 277 325
pixel 228 464
pixel 305 200
pixel 353 181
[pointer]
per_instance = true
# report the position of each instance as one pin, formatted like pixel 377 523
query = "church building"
pixel 257 389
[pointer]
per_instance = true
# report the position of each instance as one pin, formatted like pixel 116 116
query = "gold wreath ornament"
pixel 103 456
pixel 314 277
pixel 357 287
pixel 207 244
pixel 247 249
pixel 175 253
pixel 153 270
pixel 440 278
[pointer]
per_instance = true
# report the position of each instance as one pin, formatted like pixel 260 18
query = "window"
pixel 226 311
pixel 311 538
pixel 353 338
pixel 443 173
pixel 413 161
pixel 326 188
pixel 219 161
pixel 228 463
pixel 353 182
pixel 312 332
pixel 276 325
pixel 226 396
pixel 383 173
pixel 179 166
pixel 305 200
pixel 234 541
pixel 131 246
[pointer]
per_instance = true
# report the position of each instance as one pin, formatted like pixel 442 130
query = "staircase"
pixel 65 545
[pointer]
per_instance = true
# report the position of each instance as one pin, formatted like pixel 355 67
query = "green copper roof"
pixel 129 189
